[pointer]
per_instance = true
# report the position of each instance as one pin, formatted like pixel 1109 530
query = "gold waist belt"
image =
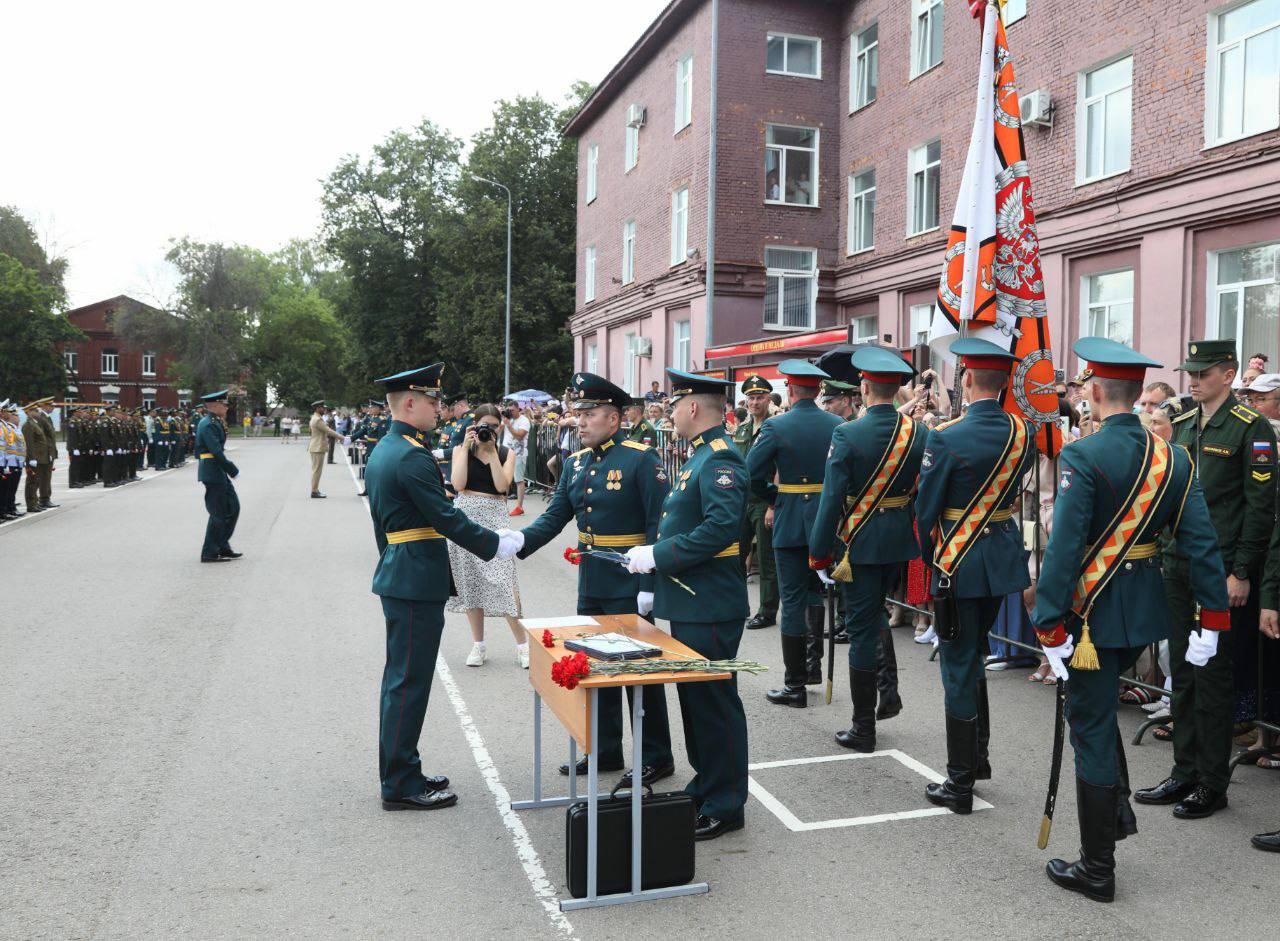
pixel 412 535
pixel 999 516
pixel 206 456
pixel 1143 550
pixel 888 503
pixel 621 541
pixel 726 553
pixel 799 488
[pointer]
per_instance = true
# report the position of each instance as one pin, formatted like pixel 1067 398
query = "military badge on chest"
pixel 614 480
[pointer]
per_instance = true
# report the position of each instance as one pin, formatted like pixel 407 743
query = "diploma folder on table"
pixel 613 647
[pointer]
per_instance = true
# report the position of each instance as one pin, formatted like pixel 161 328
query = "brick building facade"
pixel 1155 161
pixel 104 368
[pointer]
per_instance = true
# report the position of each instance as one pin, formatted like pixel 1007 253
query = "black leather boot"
pixel 956 792
pixel 1094 875
pixel 861 735
pixel 792 692
pixel 887 676
pixel 815 619
pixel 982 770
pixel 1126 821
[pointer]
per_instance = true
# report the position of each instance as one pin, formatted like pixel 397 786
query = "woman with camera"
pixel 482 472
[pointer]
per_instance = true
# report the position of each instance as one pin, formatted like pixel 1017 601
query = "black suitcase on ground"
pixel 666 854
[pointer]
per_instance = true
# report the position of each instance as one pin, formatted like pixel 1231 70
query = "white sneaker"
pixel 927 637
pixel 478 655
pixel 522 656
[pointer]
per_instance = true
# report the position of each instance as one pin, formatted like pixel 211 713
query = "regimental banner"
pixel 991 278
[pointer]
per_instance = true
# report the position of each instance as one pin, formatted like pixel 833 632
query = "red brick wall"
pixel 97 321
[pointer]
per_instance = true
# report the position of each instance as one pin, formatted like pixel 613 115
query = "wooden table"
pixel 578 712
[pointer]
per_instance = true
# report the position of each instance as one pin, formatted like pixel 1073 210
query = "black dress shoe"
pixel 1200 803
pixel 229 554
pixel 35 509
pixel 1168 791
pixel 795 696
pixel 708 828
pixel 213 558
pixel 363 493
pixel 427 800
pixel 50 506
pixel 317 495
pixel 436 782
pixel 762 619
pixel 1270 842
pixel 649 774
pixel 582 766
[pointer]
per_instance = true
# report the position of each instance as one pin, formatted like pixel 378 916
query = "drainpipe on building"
pixel 711 179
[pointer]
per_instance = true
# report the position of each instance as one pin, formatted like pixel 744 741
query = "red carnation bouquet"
pixel 573 556
pixel 568 670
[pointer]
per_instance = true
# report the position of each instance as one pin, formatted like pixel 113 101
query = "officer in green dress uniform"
pixel 697 543
pixel 1234 450
pixel 1101 593
pixel 794 445
pixel 970 476
pixel 216 472
pixel 757 392
pixel 614 488
pixel 412 518
pixel 866 501
pixel 463 418
pixel 375 426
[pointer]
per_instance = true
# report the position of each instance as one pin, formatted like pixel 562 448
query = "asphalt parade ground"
pixel 191 751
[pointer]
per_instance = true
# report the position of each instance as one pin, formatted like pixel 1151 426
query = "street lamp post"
pixel 506 365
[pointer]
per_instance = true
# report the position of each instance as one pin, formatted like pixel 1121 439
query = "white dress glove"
pixel 438 454
pixel 76 453
pixel 509 543
pixel 644 602
pixel 33 463
pixel 110 453
pixel 1058 657
pixel 640 560
pixel 1201 646
pixel 825 578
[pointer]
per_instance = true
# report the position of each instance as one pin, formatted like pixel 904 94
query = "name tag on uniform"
pixel 1217 450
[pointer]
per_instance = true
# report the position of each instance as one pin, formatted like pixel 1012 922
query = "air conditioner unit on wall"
pixel 642 346
pixel 635 116
pixel 1036 108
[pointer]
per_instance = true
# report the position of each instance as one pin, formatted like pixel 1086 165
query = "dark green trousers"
pixel 754 530
pixel 798 588
pixel 864 611
pixel 964 658
pixel 1092 696
pixel 656 746
pixel 1203 697
pixel 715 725
pixel 223 506
pixel 413 640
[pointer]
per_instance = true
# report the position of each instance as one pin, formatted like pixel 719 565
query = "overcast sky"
pixel 129 123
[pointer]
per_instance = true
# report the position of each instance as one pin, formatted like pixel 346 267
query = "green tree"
pixel 31 291
pixel 298 347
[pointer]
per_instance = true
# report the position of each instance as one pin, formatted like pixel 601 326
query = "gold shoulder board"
pixel 637 445
pixel 718 444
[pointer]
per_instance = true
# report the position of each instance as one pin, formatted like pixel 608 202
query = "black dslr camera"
pixel 484 433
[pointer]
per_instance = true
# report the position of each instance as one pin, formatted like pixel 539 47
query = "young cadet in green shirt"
pixel 412 518
pixel 641 430
pixel 614 489
pixel 1101 594
pixel 215 471
pixel 697 543
pixel 1234 450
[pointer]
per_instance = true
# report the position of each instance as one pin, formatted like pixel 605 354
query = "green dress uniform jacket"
pixel 795 445
pixel 615 492
pixel 1270 597
pixel 39 448
pixel 643 432
pixel 744 438
pixel 459 431
pixel 407 496
pixel 215 467
pixel 958 457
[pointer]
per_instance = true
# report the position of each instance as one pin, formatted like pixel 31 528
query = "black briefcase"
pixel 666 853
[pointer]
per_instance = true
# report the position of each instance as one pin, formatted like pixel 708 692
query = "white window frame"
pixel 1087 308
pixel 112 357
pixel 864 61
pixel 1213 79
pixel 679 226
pixel 912 170
pixel 782 164
pixel 925 10
pixel 71 359
pixel 589 274
pixel 1215 291
pixel 921 319
pixel 1083 103
pixel 859 323
pixel 680 345
pixel 1013 11
pixel 631 149
pixel 628 251
pixel 856 200
pixel 629 362
pixel 786 55
pixel 593 171
pixel 793 273
pixel 684 92
pixel 591 357
pixel 149 354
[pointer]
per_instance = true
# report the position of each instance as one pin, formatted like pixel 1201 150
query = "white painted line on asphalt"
pixel 525 851
pixel 80 498
pixel 796 825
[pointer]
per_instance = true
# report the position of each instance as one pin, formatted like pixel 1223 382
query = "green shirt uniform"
pixel 754 531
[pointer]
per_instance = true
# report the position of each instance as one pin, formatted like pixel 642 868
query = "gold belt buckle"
pixel 587 539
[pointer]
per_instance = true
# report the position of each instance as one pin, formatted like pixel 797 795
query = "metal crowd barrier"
pixel 546 444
